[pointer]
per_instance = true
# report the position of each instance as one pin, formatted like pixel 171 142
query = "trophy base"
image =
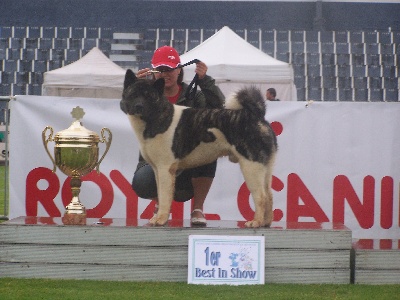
pixel 74 219
pixel 75 207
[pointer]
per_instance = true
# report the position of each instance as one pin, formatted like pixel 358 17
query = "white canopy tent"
pixel 235 63
pixel 92 76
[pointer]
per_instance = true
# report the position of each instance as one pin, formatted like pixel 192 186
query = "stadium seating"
pixel 346 94
pixel 328 65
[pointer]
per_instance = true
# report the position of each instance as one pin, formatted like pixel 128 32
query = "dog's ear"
pixel 130 78
pixel 159 86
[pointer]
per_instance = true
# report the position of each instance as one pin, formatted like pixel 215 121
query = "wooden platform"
pixel 123 249
pixel 376 261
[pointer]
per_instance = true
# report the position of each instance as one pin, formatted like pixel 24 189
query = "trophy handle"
pixel 108 144
pixel 46 141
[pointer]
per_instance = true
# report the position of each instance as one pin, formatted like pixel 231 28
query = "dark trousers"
pixel 144 181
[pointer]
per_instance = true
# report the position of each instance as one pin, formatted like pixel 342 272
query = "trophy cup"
pixel 76 154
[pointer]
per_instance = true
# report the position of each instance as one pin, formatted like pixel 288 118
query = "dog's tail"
pixel 250 99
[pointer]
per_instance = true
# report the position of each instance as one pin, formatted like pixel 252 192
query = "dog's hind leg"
pixel 165 189
pixel 256 177
pixel 269 215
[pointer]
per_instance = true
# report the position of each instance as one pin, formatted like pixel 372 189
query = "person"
pixel 192 183
pixel 271 95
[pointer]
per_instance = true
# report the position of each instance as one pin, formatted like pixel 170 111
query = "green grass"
pixel 87 289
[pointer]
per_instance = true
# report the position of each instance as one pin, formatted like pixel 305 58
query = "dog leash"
pixel 192 88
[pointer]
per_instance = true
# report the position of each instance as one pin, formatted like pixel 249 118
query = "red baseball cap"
pixel 165 56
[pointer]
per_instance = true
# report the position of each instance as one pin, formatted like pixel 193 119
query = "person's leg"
pixel 202 180
pixel 193 183
pixel 144 182
pixel 145 186
pixel 201 187
pixel 183 186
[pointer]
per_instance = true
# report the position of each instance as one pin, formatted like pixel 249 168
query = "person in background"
pixel 192 183
pixel 271 95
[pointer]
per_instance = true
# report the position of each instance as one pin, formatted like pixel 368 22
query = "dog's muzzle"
pixel 131 108
pixel 137 109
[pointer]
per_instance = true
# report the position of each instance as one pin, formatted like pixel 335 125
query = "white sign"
pixel 234 260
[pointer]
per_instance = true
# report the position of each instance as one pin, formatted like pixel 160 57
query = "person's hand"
pixel 143 73
pixel 201 69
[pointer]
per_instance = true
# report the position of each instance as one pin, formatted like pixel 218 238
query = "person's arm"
pixel 210 95
pixel 213 96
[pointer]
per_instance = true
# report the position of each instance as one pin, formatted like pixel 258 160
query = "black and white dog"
pixel 174 138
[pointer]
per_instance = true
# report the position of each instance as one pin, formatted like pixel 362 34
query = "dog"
pixel 173 138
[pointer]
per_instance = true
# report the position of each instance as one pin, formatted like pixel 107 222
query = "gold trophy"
pixel 76 154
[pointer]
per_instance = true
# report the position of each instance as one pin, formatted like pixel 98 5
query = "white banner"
pixel 337 162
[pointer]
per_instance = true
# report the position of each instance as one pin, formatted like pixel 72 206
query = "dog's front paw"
pixel 159 220
pixel 257 224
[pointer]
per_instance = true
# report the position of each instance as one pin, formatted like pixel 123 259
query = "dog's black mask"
pixel 138 91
